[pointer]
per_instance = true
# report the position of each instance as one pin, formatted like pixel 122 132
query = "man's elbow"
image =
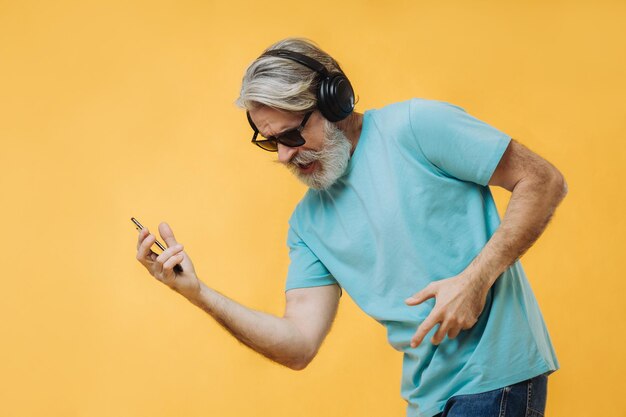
pixel 559 185
pixel 300 356
pixel 297 366
pixel 551 185
pixel 299 363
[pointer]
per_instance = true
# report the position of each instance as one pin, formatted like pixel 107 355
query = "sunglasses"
pixel 291 138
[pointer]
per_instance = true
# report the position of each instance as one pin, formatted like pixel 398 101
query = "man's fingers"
pixel 421 296
pixel 440 334
pixel 426 326
pixel 144 248
pixel 168 253
pixel 141 236
pixel 167 234
pixel 454 333
pixel 173 261
pixel 160 263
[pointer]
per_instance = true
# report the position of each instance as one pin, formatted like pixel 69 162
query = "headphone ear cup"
pixel 335 97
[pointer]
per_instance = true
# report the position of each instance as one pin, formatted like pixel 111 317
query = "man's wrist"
pixel 194 295
pixel 480 277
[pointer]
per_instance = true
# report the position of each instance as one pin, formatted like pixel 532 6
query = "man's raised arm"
pixel 292 340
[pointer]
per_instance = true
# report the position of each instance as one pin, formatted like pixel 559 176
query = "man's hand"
pixel 458 303
pixel 162 266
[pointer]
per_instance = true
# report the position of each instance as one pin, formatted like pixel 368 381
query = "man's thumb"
pixel 166 233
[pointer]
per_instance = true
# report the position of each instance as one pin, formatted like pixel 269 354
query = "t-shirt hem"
pixel 492 385
pixel 311 284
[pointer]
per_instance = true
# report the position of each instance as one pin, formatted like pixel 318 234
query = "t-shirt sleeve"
pixel 456 142
pixel 305 269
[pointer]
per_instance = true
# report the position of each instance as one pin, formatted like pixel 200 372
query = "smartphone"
pixel 177 268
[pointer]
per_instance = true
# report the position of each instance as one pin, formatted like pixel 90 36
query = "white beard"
pixel 332 159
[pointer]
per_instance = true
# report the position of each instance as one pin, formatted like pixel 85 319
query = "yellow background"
pixel 113 109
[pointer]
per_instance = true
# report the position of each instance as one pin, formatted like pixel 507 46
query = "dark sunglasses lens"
pixel 292 139
pixel 268 145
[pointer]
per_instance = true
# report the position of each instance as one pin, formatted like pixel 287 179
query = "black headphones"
pixel 335 96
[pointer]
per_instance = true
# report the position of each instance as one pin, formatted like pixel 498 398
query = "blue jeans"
pixel 524 399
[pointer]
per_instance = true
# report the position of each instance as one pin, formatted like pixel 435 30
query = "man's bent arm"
pixel 292 340
pixel 537 189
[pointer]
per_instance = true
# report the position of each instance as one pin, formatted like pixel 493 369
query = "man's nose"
pixel 285 153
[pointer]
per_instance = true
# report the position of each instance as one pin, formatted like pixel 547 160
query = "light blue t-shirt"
pixel 414 207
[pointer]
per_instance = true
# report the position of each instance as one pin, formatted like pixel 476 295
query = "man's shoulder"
pixel 416 107
pixel 415 102
pixel 394 108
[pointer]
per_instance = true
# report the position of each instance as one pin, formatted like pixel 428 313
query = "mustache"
pixel 302 157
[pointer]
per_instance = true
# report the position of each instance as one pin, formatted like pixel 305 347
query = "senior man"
pixel 399 214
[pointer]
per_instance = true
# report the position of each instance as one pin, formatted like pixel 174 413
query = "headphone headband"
pixel 301 58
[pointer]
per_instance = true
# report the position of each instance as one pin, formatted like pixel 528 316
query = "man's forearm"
pixel 532 204
pixel 274 337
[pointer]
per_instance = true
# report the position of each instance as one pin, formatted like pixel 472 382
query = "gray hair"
pixel 282 83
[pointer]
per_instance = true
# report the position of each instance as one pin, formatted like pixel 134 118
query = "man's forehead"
pixel 270 121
